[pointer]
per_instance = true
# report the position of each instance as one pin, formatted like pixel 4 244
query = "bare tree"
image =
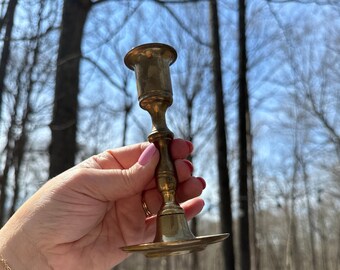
pixel 309 213
pixel 221 141
pixel 309 85
pixel 8 21
pixel 64 124
pixel 244 130
pixel 9 149
pixel 26 74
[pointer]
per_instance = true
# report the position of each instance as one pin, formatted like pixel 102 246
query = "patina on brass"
pixel 151 64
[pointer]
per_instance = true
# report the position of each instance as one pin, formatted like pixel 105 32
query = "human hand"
pixel 81 218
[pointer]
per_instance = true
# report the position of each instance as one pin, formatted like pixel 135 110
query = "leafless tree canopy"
pixel 256 88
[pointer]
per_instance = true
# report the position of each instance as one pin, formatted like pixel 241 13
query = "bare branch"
pixel 37 36
pixel 322 118
pixel 118 28
pixel 103 71
pixel 182 25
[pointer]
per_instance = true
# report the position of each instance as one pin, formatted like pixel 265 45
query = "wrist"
pixel 17 251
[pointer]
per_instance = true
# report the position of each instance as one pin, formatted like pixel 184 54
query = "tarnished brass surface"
pixel 151 63
pixel 179 247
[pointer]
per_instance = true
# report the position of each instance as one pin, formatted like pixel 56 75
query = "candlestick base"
pixel 180 247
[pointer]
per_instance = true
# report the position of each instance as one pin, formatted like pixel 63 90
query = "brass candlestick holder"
pixel 151 64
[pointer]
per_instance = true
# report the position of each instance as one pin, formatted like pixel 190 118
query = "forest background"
pixel 256 88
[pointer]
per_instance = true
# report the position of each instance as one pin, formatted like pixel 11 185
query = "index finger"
pixel 125 157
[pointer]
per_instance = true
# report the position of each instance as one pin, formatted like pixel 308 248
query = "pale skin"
pixel 81 218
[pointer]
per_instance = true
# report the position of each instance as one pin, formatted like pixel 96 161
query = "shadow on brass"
pixel 151 63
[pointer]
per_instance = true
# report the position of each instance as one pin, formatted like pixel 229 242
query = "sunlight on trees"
pixel 293 80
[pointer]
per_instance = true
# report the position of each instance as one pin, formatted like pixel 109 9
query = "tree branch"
pixel 182 25
pixel 37 36
pixel 103 71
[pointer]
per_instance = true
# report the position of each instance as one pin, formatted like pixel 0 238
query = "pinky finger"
pixel 193 207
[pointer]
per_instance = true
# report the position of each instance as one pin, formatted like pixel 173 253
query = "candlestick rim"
pixel 180 247
pixel 130 57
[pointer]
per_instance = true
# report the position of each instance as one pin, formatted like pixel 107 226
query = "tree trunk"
pixel 244 130
pixel 190 136
pixel 323 232
pixel 9 149
pixel 9 22
pixel 309 214
pixel 125 123
pixel 293 258
pixel 221 143
pixel 64 124
pixel 337 262
pixel 19 152
pixel 195 265
pixel 255 258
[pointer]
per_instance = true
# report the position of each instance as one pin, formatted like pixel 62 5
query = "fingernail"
pixel 189 164
pixel 147 154
pixel 204 184
pixel 190 145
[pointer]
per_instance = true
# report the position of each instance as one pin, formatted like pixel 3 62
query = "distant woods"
pixel 256 88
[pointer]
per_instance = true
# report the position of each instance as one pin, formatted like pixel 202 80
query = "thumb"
pixel 110 185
